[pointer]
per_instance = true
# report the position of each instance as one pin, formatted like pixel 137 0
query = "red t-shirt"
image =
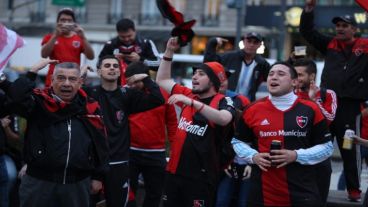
pixel 66 49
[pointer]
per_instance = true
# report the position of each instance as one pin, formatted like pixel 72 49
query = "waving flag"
pixel 9 42
pixel 363 4
pixel 182 30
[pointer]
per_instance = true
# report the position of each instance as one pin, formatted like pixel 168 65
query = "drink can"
pixel 348 140
pixel 275 145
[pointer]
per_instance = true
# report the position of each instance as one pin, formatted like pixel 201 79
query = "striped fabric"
pixel 9 42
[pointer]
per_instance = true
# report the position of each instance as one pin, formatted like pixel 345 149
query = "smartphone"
pixel 300 50
pixel 69 26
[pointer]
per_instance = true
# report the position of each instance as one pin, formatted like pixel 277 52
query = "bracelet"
pixel 167 58
pixel 200 109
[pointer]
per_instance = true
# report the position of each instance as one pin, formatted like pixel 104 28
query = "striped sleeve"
pixel 155 62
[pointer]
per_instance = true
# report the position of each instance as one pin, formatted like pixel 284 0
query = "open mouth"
pixel 65 91
pixel 274 84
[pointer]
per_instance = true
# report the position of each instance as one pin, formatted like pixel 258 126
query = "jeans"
pixel 227 189
pixel 12 172
pixel 4 196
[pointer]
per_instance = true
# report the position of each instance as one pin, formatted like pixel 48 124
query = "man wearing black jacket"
pixel 346 73
pixel 65 140
pixel 130 47
pixel 248 68
pixel 117 103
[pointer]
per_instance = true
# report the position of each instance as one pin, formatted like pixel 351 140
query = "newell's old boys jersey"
pixel 301 126
pixel 194 152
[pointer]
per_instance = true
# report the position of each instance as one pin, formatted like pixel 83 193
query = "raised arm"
pixel 48 46
pixel 87 49
pixel 210 51
pixel 220 117
pixel 309 32
pixel 163 78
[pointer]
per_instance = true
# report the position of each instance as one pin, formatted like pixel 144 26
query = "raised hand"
pixel 221 41
pixel 313 89
pixel 309 5
pixel 41 64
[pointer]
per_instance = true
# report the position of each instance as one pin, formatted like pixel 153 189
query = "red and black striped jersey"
pixel 194 152
pixel 301 126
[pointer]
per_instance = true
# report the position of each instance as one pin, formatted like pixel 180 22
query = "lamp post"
pixel 240 12
pixel 239 5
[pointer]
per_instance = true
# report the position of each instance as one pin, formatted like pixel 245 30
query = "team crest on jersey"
pixel 198 203
pixel 119 116
pixel 302 121
pixel 358 52
pixel 76 44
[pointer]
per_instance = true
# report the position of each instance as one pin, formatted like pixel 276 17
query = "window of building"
pixel 211 13
pixel 150 15
pixel 115 11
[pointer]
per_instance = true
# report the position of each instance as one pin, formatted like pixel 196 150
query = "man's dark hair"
pixel 124 25
pixel 66 11
pixel 136 68
pixel 104 58
pixel 293 73
pixel 66 65
pixel 310 65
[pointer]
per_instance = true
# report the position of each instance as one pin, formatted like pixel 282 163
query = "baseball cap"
pixel 345 18
pixel 254 35
pixel 215 72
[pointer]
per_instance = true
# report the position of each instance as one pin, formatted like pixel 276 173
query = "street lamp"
pixel 239 5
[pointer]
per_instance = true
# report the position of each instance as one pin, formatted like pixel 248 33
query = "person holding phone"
pixel 67 42
pixel 129 47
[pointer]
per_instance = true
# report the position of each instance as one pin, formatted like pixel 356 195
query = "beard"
pixel 203 90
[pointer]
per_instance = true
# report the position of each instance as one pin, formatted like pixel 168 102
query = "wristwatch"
pixel 2 77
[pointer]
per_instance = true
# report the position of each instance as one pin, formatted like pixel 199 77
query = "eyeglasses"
pixel 72 79
pixel 108 65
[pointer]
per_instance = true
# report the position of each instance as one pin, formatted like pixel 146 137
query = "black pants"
pixel 152 166
pixel 154 177
pixel 324 171
pixel 34 192
pixel 185 192
pixel 346 114
pixel 117 185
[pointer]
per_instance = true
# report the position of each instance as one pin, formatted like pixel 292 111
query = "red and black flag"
pixel 363 4
pixel 182 30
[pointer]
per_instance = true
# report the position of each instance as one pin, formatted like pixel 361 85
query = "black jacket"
pixel 145 48
pixel 346 69
pixel 232 61
pixel 63 143
pixel 116 106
